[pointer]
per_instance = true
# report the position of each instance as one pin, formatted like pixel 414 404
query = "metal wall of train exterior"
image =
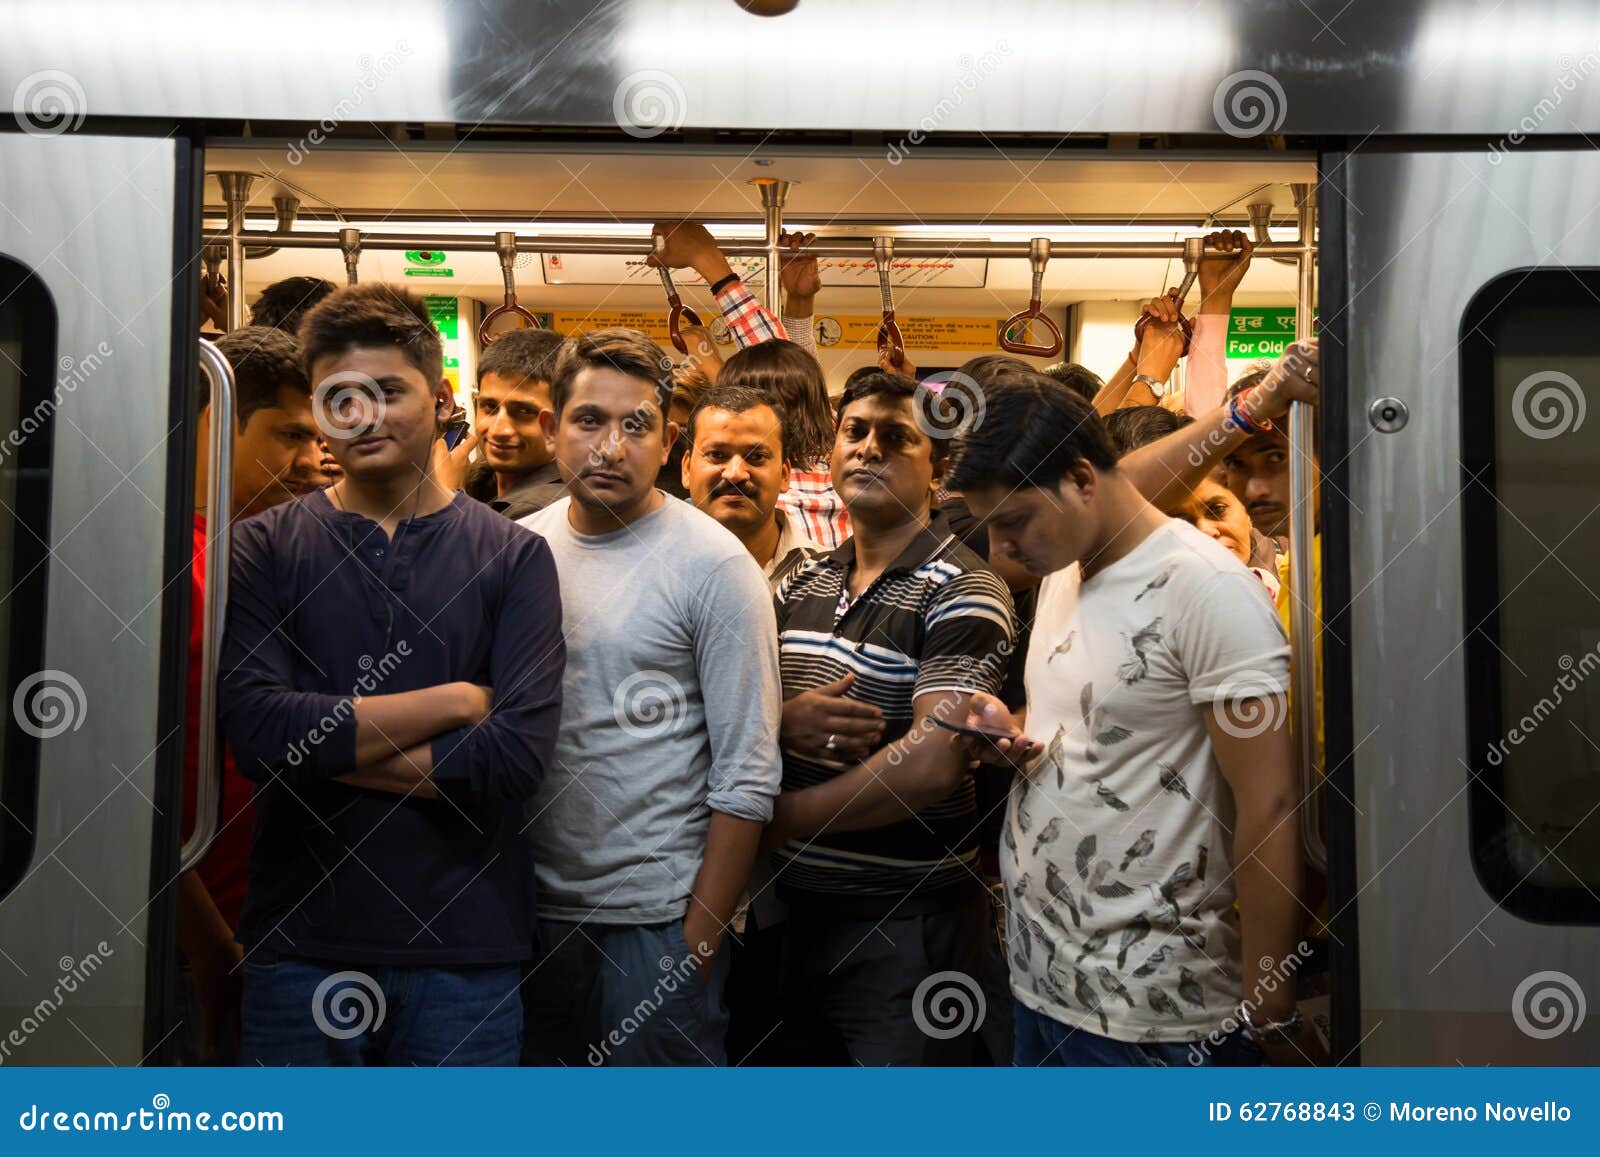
pixel 1423 225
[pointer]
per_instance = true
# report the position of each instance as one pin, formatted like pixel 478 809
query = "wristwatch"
pixel 1270 1031
pixel 1157 388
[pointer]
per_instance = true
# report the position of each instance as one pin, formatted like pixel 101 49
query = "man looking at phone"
pixel 1158 780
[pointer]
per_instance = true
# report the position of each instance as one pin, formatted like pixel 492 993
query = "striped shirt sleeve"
pixel 969 637
pixel 748 320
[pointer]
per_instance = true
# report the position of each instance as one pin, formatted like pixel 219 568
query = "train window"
pixel 1531 538
pixel 27 404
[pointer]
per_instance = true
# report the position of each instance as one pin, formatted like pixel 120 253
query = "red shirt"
pixel 226 868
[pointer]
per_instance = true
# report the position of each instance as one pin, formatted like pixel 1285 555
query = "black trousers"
pixel 909 988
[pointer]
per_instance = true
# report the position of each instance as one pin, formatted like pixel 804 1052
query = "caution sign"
pixel 652 324
pixel 976 334
pixel 832 331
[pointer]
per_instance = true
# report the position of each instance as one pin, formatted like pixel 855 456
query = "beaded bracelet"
pixel 1238 417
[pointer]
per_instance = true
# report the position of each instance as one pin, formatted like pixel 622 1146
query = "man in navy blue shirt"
pixel 391 681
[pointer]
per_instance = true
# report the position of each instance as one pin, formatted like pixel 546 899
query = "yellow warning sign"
pixel 966 334
pixel 975 334
pixel 652 325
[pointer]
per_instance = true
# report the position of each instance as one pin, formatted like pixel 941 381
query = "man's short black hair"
pixel 374 314
pixel 872 382
pixel 284 303
pixel 738 400
pixel 264 361
pixel 1135 426
pixel 1031 433
pixel 522 353
pixel 1081 380
pixel 625 350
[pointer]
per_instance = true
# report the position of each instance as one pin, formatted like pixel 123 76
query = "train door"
pixel 95 491
pixel 1463 287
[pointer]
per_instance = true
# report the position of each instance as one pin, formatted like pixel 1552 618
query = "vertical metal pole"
pixel 773 194
pixel 1302 533
pixel 236 195
pixel 214 612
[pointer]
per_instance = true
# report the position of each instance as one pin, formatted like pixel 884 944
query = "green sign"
pixel 430 273
pixel 424 257
pixel 445 315
pixel 1259 332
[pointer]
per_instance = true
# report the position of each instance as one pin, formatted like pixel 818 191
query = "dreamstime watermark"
pixel 648 103
pixel 675 974
pixel 977 674
pixel 73 974
pixel 373 73
pixel 1248 103
pixel 1293 364
pixel 1566 82
pixel 72 373
pixel 1542 710
pixel 649 703
pixel 1274 975
pixel 49 103
pixel 348 405
pixel 1548 404
pixel 973 72
pixel 949 404
pixel 947 1004
pixel 372 676
pixel 639 423
pixel 1547 1004
pixel 159 1118
pixel 49 703
pixel 1249 704
pixel 347 1004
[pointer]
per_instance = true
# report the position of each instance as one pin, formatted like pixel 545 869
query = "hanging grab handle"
pixel 350 242
pixel 1193 250
pixel 505 244
pixel 679 310
pixel 889 340
pixel 1039 257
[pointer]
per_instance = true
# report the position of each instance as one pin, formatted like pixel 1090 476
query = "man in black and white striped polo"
pixel 876 829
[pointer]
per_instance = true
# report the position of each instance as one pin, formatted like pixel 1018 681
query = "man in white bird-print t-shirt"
pixel 1157 782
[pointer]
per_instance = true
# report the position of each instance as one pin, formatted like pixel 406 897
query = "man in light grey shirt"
pixel 667 763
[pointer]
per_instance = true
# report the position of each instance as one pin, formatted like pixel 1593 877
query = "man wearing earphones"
pixel 371 626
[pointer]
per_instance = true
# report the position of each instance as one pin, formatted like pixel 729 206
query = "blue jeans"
pixel 300 1013
pixel 1042 1041
pixel 622 994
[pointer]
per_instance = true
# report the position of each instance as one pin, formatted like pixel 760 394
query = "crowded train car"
pixel 373 655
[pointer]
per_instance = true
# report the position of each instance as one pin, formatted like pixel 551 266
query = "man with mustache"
pixel 735 471
pixel 667 762
pixel 1257 472
pixel 275 457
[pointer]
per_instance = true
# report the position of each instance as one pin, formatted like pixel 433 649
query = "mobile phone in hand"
pixel 978 732
pixel 456 429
